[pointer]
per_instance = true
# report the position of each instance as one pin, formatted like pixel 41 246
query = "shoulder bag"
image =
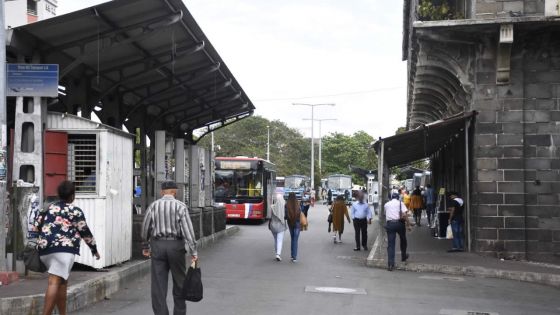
pixel 303 221
pixel 31 258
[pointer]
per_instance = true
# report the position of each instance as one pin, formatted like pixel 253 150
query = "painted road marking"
pixel 457 279
pixel 463 312
pixel 335 290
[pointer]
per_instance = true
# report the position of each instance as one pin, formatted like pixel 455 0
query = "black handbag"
pixel 192 286
pixel 31 258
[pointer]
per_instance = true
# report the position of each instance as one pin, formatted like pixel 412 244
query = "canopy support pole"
pixel 467 185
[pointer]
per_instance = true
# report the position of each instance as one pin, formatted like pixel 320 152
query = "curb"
pixel 552 280
pixel 94 290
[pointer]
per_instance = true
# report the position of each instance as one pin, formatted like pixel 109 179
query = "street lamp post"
pixel 312 139
pixel 268 143
pixel 321 141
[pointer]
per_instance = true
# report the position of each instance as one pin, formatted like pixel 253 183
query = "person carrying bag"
pixel 278 226
pixel 396 224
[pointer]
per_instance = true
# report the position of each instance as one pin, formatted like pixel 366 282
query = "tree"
pixel 340 151
pixel 289 150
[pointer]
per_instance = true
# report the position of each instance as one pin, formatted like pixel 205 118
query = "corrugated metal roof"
pixel 146 56
pixel 423 141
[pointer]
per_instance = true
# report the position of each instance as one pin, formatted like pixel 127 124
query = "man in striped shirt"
pixel 168 234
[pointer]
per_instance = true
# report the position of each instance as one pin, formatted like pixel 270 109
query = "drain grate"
pixel 448 278
pixel 464 312
pixel 335 290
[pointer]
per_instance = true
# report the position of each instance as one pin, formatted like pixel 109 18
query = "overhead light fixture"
pixel 97 108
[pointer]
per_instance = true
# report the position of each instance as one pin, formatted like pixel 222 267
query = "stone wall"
pixel 516 176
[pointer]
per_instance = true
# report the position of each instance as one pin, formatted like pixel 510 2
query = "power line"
pixel 329 95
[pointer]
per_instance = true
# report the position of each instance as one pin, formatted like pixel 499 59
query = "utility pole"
pixel 268 143
pixel 321 141
pixel 3 140
pixel 312 139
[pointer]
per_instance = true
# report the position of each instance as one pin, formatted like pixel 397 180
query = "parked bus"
pixel 297 184
pixel 245 186
pixel 340 184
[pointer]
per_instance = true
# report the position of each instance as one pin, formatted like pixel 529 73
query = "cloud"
pixel 290 48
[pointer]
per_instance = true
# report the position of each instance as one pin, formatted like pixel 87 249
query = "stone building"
pixel 492 69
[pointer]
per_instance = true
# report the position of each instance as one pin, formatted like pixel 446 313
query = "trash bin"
pixel 443 222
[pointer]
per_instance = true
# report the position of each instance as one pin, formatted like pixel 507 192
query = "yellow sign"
pixel 442 191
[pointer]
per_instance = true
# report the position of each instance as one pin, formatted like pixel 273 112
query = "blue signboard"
pixel 32 80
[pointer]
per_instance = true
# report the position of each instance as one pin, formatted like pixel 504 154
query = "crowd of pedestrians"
pixel 398 210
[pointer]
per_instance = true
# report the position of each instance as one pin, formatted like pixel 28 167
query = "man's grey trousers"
pixel 168 255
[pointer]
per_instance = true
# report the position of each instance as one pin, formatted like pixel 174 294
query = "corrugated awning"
pixel 148 57
pixel 423 141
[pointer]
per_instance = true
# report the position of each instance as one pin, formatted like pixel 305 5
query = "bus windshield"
pixel 238 183
pixel 294 182
pixel 340 182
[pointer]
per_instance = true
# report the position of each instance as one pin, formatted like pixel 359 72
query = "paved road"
pixel 241 277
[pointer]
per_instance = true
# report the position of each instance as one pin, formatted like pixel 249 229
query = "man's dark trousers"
pixel 168 255
pixel 393 228
pixel 360 229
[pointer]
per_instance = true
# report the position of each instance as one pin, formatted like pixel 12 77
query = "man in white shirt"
pixel 375 201
pixel 394 211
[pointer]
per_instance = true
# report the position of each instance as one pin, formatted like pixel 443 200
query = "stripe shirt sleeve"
pixel 188 231
pixel 147 228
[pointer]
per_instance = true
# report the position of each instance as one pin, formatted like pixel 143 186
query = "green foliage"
pixel 433 10
pixel 340 151
pixel 289 150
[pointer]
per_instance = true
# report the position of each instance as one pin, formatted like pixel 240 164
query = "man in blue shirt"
pixel 430 203
pixel 361 216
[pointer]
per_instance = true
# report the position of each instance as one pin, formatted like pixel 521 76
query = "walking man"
pixel 361 216
pixel 168 234
pixel 396 214
pixel 430 197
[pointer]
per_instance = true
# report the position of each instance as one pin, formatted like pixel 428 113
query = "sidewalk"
pixel 86 287
pixel 428 254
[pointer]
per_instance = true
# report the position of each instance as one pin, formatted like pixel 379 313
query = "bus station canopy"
pixel 141 63
pixel 423 141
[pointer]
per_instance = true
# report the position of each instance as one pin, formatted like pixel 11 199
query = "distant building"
pixel 21 12
pixel 500 59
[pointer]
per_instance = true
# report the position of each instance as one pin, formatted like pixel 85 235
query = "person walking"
pixel 430 197
pixel 375 201
pixel 361 216
pixel 277 225
pixel 293 215
pixel 456 220
pixel 396 215
pixel 329 197
pixel 405 197
pixel 167 232
pixel 416 204
pixel 60 229
pixel 339 211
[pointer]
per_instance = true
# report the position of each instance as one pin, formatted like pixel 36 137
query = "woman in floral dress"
pixel 61 227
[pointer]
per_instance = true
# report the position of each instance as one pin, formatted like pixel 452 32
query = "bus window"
pixel 224 186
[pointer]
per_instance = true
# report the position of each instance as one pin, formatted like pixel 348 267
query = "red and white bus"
pixel 245 186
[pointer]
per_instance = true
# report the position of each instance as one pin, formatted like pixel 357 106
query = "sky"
pixel 313 51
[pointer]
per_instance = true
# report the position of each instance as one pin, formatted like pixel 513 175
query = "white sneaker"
pixel 278 258
pixel 294 260
pixel 334 239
